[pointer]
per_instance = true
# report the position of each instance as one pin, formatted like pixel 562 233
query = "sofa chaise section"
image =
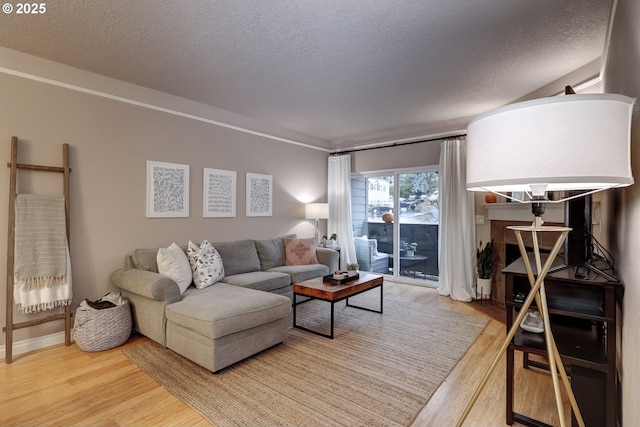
pixel 222 324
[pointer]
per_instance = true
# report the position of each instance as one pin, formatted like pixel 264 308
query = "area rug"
pixel 379 370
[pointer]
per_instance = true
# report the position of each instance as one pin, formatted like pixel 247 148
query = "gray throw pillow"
pixel 270 252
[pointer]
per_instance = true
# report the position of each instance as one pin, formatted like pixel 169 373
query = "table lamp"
pixel 316 211
pixel 577 144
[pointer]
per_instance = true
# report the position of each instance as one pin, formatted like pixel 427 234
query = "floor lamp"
pixel 576 143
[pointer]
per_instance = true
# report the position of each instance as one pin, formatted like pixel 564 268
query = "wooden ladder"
pixel 67 315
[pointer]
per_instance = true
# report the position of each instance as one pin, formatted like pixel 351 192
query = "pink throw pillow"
pixel 300 251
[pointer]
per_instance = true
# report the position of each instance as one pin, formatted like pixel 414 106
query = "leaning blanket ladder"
pixel 66 316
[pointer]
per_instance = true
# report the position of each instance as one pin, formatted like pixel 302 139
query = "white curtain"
pixel 339 198
pixel 457 229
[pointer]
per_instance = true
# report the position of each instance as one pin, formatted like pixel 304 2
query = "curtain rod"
pixel 396 144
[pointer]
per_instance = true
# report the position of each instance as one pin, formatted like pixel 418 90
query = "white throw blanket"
pixel 42 267
pixel 39 299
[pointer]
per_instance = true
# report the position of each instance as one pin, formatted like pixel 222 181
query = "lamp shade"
pixel 316 211
pixel 571 142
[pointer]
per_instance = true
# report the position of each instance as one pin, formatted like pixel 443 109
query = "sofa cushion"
pixel 300 273
pixel 206 264
pixel 261 280
pixel 146 259
pixel 270 252
pixel 222 309
pixel 173 263
pixel 238 257
pixel 300 251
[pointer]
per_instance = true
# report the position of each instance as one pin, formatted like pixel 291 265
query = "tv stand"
pixel 583 270
pixel 584 324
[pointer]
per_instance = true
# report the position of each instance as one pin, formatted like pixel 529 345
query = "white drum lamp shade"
pixel 562 143
pixel 316 211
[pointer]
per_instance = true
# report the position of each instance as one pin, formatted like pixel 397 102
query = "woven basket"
pixel 98 330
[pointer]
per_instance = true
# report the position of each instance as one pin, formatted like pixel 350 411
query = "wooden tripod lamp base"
pixel 538 293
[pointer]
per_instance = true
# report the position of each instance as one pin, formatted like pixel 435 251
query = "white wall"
pixel 622 75
pixel 110 142
pixel 399 157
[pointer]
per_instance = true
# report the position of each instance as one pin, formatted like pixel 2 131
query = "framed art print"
pixel 259 194
pixel 219 193
pixel 167 190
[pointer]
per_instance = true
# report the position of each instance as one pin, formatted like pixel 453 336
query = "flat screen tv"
pixel 579 245
pixel 578 248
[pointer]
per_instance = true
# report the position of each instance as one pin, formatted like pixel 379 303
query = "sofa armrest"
pixel 328 257
pixel 147 284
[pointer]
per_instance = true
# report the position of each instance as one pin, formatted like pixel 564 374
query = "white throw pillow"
pixel 206 264
pixel 173 263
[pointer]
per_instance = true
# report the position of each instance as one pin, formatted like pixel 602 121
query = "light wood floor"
pixel 64 386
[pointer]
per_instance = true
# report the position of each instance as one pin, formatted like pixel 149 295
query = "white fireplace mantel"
pixel 514 211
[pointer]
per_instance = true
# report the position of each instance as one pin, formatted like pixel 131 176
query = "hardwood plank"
pixel 66 386
pixel 534 394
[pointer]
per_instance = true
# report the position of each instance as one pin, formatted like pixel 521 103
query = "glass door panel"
pixel 418 220
pixel 372 213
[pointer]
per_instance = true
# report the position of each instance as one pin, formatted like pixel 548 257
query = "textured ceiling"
pixel 345 71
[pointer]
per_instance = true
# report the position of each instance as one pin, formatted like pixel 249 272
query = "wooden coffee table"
pixel 318 289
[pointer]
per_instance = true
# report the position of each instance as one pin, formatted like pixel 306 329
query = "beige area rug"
pixel 379 370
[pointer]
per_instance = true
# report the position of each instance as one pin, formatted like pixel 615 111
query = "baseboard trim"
pixel 33 344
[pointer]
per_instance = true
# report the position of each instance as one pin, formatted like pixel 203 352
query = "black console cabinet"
pixel 583 322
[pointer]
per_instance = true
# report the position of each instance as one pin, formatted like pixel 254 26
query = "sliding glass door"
pixel 395 223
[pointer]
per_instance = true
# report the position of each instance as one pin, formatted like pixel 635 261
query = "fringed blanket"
pixel 42 271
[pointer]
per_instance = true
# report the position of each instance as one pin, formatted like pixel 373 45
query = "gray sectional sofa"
pixel 246 312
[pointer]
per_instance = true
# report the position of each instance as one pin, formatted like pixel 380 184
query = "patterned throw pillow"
pixel 300 251
pixel 173 263
pixel 206 264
